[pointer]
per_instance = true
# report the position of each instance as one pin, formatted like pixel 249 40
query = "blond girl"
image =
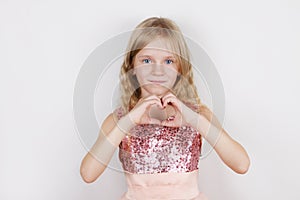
pixel 160 124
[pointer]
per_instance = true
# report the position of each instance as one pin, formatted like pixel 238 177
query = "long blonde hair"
pixel 184 88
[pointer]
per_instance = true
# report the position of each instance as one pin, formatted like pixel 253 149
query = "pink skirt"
pixel 176 186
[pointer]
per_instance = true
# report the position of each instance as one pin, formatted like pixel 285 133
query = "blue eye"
pixel 147 61
pixel 168 61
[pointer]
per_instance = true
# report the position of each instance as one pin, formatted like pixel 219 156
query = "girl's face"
pixel 156 68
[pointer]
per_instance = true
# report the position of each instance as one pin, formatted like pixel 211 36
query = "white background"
pixel 255 46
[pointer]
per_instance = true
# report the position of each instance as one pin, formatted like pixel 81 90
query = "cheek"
pixel 143 71
pixel 172 72
pixel 172 79
pixel 172 69
pixel 141 76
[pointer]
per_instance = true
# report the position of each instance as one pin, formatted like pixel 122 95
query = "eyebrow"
pixel 147 56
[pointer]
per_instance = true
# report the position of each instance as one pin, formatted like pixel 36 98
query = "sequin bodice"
pixel 151 149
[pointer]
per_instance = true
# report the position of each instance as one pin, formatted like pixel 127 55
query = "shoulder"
pixel 118 113
pixel 111 119
pixel 109 123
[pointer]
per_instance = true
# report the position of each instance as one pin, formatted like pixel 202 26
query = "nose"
pixel 158 70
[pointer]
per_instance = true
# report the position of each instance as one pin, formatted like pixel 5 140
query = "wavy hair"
pixel 184 88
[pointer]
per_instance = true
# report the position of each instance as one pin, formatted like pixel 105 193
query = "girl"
pixel 161 122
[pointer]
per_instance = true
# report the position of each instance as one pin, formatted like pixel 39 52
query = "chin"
pixel 158 91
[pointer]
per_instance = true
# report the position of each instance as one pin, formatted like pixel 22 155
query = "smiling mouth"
pixel 157 82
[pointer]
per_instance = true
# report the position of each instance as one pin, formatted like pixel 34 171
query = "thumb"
pixel 165 123
pixel 154 121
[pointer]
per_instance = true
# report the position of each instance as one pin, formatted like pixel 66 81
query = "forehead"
pixel 158 46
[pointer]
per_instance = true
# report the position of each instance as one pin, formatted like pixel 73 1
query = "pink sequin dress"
pixel 160 162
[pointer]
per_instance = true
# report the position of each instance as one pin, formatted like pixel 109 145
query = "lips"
pixel 156 81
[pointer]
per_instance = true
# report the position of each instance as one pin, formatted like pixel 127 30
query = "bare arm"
pixel 230 151
pixel 110 136
pixel 99 156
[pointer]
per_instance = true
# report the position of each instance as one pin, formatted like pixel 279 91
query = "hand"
pixel 139 114
pixel 169 107
pixel 178 119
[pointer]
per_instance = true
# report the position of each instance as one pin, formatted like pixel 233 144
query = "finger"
pixel 148 101
pixel 168 123
pixel 154 121
pixel 178 105
pixel 151 97
pixel 157 102
pixel 170 101
pixel 168 95
pixel 165 123
pixel 165 102
pixel 154 102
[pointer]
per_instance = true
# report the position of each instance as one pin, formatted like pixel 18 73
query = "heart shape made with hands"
pixel 168 113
